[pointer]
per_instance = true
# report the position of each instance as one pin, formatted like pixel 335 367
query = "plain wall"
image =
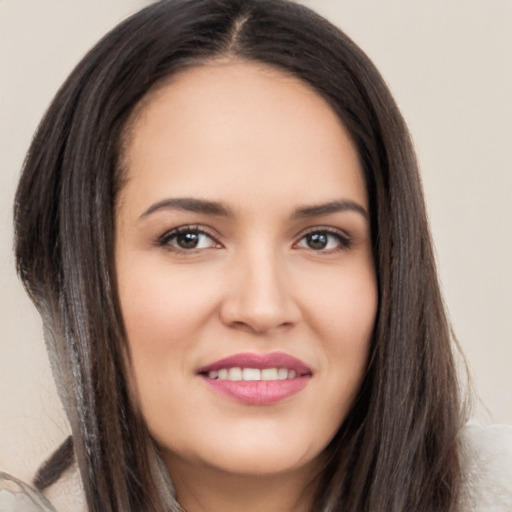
pixel 448 64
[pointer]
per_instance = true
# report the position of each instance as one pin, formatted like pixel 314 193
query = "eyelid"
pixel 345 239
pixel 163 240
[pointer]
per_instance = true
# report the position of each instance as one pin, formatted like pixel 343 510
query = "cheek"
pixel 342 313
pixel 342 304
pixel 164 314
pixel 161 305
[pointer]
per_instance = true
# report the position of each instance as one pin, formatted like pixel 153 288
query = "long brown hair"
pixel 397 449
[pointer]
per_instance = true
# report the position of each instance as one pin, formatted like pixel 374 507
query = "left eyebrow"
pixel 341 205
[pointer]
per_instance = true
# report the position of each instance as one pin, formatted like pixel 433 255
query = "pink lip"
pixel 258 392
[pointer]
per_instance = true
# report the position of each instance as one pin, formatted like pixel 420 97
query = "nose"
pixel 259 297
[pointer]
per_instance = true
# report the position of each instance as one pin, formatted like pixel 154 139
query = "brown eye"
pixel 187 239
pixel 317 241
pixel 324 241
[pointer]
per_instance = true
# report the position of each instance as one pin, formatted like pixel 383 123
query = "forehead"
pixel 226 127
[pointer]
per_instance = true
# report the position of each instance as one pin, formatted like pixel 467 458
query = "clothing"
pixel 16 496
pixel 486 456
pixel 66 495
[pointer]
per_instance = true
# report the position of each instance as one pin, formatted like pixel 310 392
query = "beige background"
pixel 449 66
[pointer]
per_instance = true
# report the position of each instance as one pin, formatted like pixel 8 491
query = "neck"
pixel 206 489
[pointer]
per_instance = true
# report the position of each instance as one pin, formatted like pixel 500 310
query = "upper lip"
pixel 260 361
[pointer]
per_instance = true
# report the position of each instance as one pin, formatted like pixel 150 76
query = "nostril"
pixel 242 326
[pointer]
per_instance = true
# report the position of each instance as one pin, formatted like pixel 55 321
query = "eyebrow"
pixel 215 208
pixel 190 205
pixel 341 205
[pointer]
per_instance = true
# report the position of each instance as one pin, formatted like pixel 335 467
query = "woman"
pixel 221 222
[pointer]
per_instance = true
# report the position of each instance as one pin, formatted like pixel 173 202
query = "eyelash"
pixel 344 241
pixel 164 241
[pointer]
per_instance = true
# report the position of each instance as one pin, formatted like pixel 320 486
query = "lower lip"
pixel 258 392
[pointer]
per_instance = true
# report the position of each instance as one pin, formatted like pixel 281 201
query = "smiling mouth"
pixel 252 374
pixel 257 379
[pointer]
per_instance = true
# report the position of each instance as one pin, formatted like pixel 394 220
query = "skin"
pixel 264 145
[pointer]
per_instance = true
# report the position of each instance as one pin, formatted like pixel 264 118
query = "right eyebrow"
pixel 190 204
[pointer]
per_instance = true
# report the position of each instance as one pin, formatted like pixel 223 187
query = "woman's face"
pixel 245 270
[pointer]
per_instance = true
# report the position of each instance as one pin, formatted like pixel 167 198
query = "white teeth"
pixel 269 374
pixel 235 374
pixel 282 374
pixel 252 374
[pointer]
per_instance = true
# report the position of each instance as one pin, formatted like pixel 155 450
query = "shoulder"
pixel 487 462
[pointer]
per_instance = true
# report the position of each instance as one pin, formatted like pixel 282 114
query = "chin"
pixel 255 462
pixel 260 453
